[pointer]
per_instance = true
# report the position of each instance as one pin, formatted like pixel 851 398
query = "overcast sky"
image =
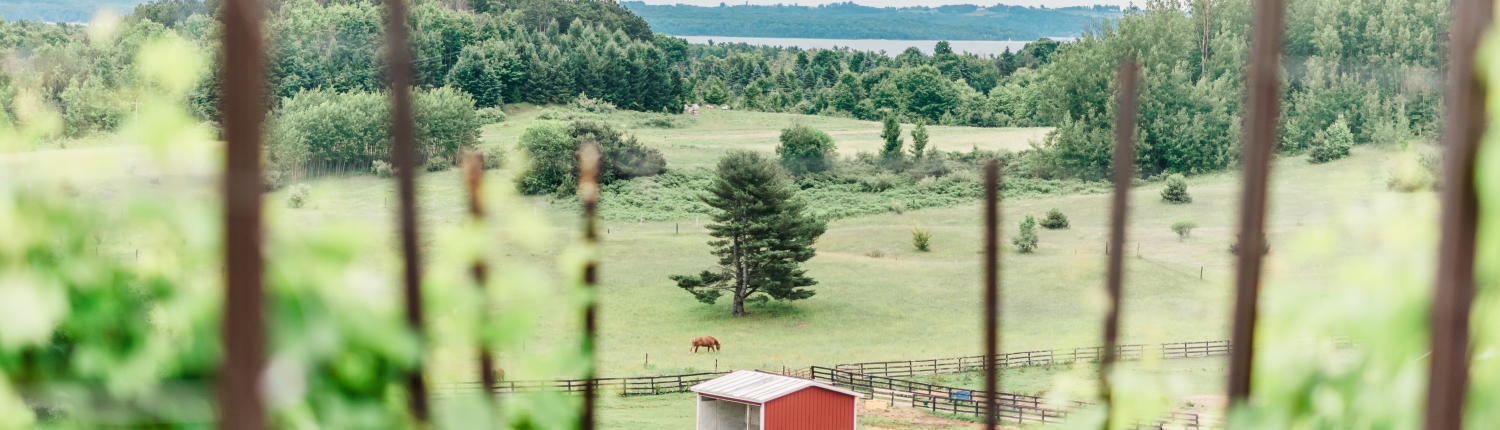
pixel 899 3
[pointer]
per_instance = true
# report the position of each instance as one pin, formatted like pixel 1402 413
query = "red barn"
pixel 746 400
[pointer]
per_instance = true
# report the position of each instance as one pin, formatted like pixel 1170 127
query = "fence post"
pixel 240 403
pixel 474 180
pixel 1260 132
pixel 588 192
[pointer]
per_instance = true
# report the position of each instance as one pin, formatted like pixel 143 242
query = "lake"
pixel 891 47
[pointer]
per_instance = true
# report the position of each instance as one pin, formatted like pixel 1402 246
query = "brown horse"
pixel 499 374
pixel 705 342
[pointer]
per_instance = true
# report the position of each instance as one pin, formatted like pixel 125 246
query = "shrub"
pixel 666 121
pixel 383 169
pixel 1176 191
pixel 554 161
pixel 1027 241
pixel 586 104
pixel 494 156
pixel 1184 228
pixel 897 207
pixel 327 126
pixel 878 182
pixel 805 149
pixel 1333 143
pixel 297 196
pixel 921 239
pixel 1055 220
pixel 1415 170
pixel 875 253
pixel 491 115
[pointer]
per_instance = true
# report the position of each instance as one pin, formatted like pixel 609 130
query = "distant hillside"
pixel 852 21
pixel 61 10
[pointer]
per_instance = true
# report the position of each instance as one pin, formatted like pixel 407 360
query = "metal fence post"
pixel 588 192
pixel 244 107
pixel 1454 293
pixel 1260 133
pixel 1124 173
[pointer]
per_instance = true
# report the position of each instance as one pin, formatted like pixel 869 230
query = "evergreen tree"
pixel 1176 190
pixel 1027 240
pixel 891 132
pixel 762 232
pixel 718 93
pixel 473 74
pixel 1333 143
pixel 919 139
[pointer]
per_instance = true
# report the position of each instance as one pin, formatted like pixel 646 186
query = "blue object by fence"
pixel 961 395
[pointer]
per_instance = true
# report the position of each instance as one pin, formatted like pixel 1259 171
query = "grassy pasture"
pixel 905 304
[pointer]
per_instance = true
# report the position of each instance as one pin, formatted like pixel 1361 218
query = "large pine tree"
pixel 763 235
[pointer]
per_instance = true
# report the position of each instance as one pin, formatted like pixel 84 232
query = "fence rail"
pixel 636 386
pixel 976 363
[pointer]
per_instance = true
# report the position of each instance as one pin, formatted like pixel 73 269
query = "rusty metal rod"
pixel 1454 294
pixel 399 71
pixel 244 107
pixel 1260 133
pixel 1124 162
pixel 991 292
pixel 474 182
pixel 588 193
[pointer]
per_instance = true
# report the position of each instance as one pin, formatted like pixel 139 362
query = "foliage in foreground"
pixel 762 232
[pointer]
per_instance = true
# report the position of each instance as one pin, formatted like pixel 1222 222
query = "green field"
pixel 903 305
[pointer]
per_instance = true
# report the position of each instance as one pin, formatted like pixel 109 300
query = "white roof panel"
pixel 758 387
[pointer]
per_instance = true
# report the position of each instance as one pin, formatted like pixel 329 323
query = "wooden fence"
pixel 1018 408
pixel 976 363
pixel 636 386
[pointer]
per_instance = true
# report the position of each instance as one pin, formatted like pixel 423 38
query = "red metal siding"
pixel 812 408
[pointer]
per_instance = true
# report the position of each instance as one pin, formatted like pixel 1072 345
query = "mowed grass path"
pixel 906 304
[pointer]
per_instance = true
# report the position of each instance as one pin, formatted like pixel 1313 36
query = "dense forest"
pixel 851 21
pixel 1371 70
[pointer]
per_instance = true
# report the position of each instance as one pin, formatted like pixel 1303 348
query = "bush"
pixel 878 182
pixel 297 196
pixel 491 115
pixel 1027 241
pixel 328 126
pixel 383 169
pixel 1055 220
pixel 494 156
pixel 1184 229
pixel 666 121
pixel 554 161
pixel 1333 143
pixel 586 104
pixel 897 207
pixel 1176 191
pixel 1416 169
pixel 805 149
pixel 921 239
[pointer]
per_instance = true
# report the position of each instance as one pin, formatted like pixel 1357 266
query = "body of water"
pixel 891 47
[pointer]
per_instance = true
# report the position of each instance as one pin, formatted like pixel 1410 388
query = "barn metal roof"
pixel 758 387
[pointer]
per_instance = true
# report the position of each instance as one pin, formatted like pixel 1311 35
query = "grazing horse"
pixel 705 342
pixel 499 374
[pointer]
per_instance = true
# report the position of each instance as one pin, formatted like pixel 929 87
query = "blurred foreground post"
pixel 474 182
pixel 1260 133
pixel 588 192
pixel 1454 293
pixel 403 151
pixel 243 106
pixel 1124 162
pixel 991 293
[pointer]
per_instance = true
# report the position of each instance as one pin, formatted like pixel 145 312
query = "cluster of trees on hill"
pixel 851 21
pixel 1376 65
